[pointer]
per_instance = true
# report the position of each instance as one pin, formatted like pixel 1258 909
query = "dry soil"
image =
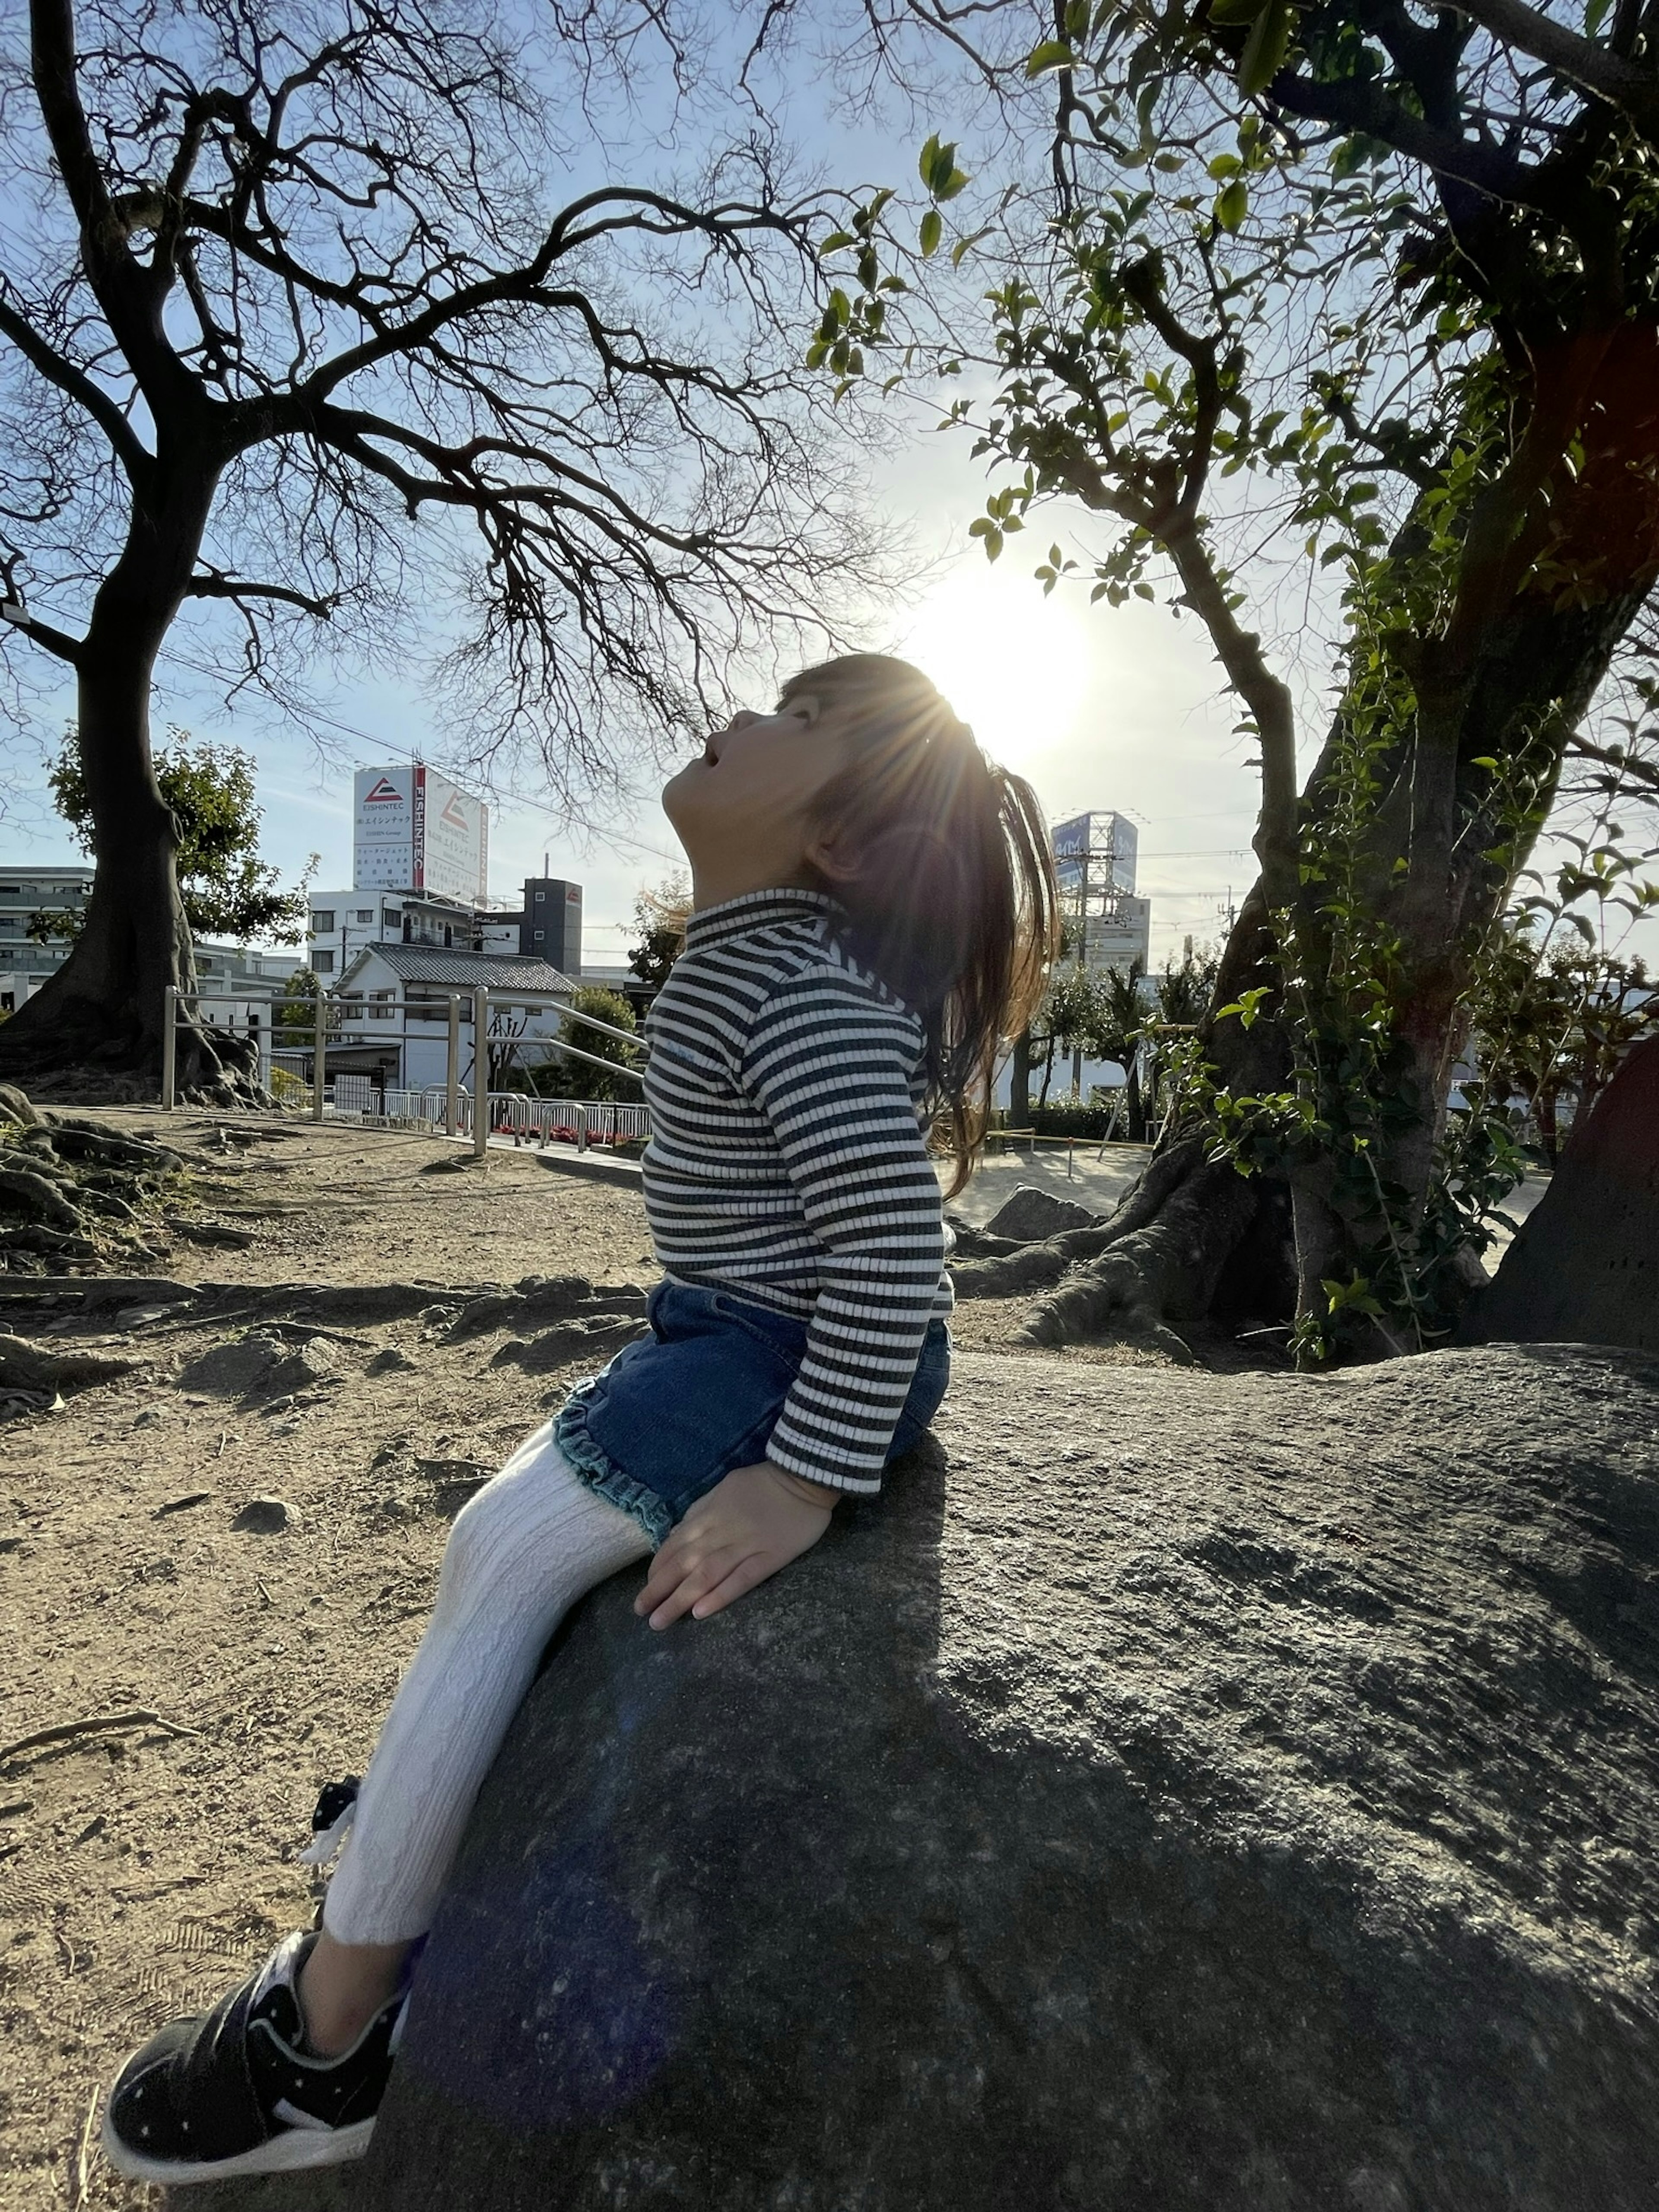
pixel 143 1865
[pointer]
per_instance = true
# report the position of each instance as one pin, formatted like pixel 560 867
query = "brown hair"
pixel 950 890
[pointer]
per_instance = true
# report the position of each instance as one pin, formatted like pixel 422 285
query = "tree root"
pixel 37 1198
pixel 49 1243
pixel 94 1724
pixel 72 1062
pixel 1156 1280
pixel 70 1189
pixel 26 1366
pixel 1037 1267
pixel 1193 1246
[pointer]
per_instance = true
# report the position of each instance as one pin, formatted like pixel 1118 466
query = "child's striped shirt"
pixel 787 1163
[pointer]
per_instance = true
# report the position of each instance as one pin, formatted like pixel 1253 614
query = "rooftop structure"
pixel 546 924
pixel 1107 924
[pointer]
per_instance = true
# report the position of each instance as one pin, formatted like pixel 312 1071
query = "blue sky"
pixel 1101 708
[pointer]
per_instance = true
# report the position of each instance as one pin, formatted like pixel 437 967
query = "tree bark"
pixel 98 1021
pixel 1584 1266
pixel 1019 1082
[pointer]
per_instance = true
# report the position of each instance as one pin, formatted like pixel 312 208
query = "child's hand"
pixel 748 1526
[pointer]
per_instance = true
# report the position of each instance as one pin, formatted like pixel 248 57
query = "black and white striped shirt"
pixel 787 1163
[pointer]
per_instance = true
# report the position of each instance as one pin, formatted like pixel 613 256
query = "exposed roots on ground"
pixel 71 1064
pixel 1195 1246
pixel 73 1191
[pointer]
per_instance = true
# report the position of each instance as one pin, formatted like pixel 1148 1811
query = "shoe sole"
pixel 292 2152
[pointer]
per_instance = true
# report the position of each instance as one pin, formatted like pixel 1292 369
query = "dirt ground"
pixel 141 1867
pixel 334 1356
pixel 144 1866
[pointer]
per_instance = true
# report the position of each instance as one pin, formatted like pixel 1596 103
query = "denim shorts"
pixel 676 1410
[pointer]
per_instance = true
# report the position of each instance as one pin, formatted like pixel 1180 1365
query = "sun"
pixel 1014 665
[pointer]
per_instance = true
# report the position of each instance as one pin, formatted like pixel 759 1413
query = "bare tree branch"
pixel 1600 70
pixel 213 585
pixel 57 370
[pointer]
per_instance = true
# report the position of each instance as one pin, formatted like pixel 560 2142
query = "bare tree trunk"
pixel 97 1024
pixel 1548 1139
pixel 1019 1082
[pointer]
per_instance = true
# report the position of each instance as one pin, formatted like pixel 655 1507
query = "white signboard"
pixel 413 830
pixel 383 828
pixel 450 837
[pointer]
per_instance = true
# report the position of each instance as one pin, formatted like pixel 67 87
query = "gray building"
pixel 249 978
pixel 24 892
pixel 550 924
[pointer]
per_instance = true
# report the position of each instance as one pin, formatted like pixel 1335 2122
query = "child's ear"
pixel 832 860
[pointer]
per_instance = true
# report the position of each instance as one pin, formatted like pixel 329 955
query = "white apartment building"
pixel 345 923
pixel 394 1012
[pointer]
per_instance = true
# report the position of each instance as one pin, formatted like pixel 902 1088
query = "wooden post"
pixel 452 1071
pixel 169 1047
pixel 319 1052
pixel 480 1072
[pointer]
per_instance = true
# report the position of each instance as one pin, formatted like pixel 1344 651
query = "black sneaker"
pixel 237 2092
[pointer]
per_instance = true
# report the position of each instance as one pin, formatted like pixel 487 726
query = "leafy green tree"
pixel 1184 990
pixel 1121 1018
pixel 1380 293
pixel 295 1015
pixel 1067 1020
pixel 1556 1021
pixel 660 924
pixel 580 1078
pixel 227 889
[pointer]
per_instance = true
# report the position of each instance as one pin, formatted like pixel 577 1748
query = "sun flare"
pixel 1011 663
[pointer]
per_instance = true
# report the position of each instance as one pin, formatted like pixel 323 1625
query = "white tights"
pixel 522 1552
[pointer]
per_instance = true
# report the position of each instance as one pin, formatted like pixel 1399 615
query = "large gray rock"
pixel 1585 1263
pixel 1029 1214
pixel 1209 1794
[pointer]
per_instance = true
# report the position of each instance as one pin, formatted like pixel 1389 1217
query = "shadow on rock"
pixel 1224 1795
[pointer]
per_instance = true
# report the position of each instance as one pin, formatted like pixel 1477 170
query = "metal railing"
pixel 468 1109
pixel 580 1122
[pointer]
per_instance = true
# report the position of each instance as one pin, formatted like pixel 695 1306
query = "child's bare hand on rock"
pixel 746 1529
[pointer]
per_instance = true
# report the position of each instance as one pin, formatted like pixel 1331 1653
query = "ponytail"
pixel 950 888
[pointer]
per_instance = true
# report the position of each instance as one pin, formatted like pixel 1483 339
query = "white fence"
pixel 526 1119
pixel 300 1078
pixel 568 1120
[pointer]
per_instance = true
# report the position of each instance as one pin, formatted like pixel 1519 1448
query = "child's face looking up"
pixel 744 809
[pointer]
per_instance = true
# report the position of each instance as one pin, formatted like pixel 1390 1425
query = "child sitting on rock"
pixel 873 911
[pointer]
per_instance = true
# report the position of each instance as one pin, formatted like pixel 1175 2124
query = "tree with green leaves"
pixel 225 888
pixel 1067 1020
pixel 295 1015
pixel 1121 1018
pixel 1555 1023
pixel 660 924
pixel 1376 292
pixel 580 1078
